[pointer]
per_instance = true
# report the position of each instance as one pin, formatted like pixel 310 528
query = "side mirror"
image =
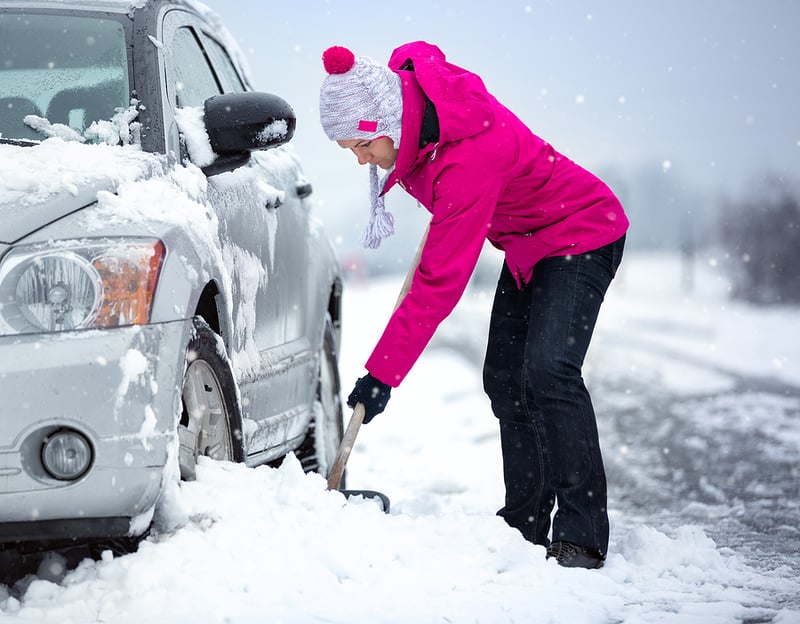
pixel 239 123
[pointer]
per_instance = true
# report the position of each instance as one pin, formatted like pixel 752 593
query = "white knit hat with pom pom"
pixel 362 99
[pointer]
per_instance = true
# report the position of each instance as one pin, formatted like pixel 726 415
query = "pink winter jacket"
pixel 489 177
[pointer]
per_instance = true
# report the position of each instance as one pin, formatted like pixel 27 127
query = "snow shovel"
pixel 349 437
pixel 337 469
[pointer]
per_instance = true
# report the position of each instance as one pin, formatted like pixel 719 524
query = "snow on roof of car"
pixel 121 6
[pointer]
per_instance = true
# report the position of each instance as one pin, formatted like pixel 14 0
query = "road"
pixel 725 460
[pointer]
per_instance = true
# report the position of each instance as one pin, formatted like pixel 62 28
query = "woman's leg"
pixel 565 302
pixel 529 500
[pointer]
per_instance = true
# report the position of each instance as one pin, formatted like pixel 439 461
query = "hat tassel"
pixel 381 222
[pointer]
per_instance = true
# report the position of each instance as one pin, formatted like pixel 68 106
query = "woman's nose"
pixel 362 159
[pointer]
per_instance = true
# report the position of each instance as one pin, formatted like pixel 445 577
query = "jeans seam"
pixel 537 497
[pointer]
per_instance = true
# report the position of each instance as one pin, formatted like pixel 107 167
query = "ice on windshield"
pixel 68 70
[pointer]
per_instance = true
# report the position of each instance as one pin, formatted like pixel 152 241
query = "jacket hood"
pixel 463 105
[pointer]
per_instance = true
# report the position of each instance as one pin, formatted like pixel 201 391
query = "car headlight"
pixel 79 285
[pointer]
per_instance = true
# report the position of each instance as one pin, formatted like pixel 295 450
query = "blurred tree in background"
pixel 761 237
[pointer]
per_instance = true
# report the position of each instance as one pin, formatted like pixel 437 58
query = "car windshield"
pixel 59 69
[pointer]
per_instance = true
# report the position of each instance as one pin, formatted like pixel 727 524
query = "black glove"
pixel 372 393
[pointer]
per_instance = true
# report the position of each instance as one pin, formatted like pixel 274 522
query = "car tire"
pixel 211 416
pixel 318 450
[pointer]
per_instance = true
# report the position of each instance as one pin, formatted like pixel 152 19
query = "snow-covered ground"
pixel 698 404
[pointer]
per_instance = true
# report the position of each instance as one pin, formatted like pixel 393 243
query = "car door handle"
pixel 303 189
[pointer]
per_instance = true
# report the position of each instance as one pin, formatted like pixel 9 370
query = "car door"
pixel 281 173
pixel 261 237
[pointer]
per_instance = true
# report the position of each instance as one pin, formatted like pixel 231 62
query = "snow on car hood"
pixel 42 183
pixel 124 186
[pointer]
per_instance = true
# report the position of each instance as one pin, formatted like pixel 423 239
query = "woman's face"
pixel 380 151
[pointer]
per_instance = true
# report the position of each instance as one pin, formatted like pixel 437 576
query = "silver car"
pixel 165 293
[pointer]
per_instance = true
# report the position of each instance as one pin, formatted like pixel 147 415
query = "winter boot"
pixel 570 555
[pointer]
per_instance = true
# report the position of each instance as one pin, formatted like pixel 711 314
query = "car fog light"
pixel 66 455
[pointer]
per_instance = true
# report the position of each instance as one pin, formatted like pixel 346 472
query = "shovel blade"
pixel 381 499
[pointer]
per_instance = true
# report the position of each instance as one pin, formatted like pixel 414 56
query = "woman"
pixel 482 174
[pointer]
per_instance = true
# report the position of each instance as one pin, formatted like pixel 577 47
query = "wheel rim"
pixel 205 432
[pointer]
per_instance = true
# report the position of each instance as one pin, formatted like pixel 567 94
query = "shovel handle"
pixel 411 270
pixel 348 440
pixel 349 437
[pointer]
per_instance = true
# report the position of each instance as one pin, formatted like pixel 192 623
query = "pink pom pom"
pixel 338 60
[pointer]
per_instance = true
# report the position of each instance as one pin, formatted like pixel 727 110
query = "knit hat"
pixel 362 99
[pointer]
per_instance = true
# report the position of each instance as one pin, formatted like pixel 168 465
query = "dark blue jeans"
pixel 538 338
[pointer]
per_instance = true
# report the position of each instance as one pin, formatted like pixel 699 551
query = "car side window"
pixel 231 81
pixel 195 80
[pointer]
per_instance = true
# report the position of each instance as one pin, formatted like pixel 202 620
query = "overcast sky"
pixel 706 91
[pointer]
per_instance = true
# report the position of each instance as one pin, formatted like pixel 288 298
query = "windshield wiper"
pixel 19 142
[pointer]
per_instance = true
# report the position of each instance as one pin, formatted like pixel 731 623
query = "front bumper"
pixel 119 388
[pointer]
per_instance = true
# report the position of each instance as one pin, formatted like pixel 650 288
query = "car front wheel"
pixel 324 435
pixel 211 420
